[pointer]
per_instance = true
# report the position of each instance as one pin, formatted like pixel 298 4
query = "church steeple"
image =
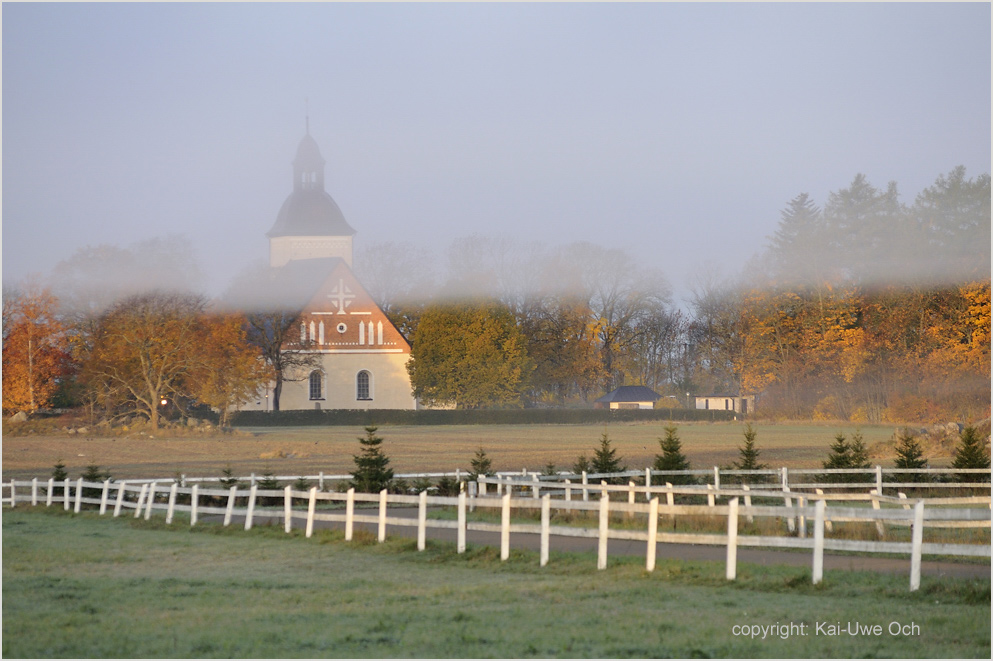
pixel 309 225
pixel 308 165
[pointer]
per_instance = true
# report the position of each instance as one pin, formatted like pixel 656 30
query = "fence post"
pixel 151 500
pixel 717 478
pixel 786 479
pixel 801 520
pixel 182 480
pixel 819 540
pixel 903 496
pixel 648 484
pixel 630 515
pixel 505 527
pixel 460 537
pixel 172 503
pixel 120 499
pixel 320 480
pixel 879 480
pixel 827 524
pixel 13 497
pixel 103 497
pixel 34 491
pixel 141 500
pixel 230 508
pixel 880 528
pixel 568 491
pixel 349 513
pixel 536 487
pixel 732 555
pixel 288 509
pixel 51 488
pixel 653 533
pixel 748 502
pixel 670 500
pixel 382 515
pixel 586 492
pixel 788 502
pixel 79 494
pixel 710 495
pixel 601 555
pixel 250 513
pixel 546 512
pixel 65 495
pixel 917 539
pixel 422 519
pixel 194 497
pixel 311 506
pixel 252 480
pixel 482 486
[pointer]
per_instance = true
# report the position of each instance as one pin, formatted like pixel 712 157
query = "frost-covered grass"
pixel 83 586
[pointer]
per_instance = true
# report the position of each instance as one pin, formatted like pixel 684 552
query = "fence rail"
pixel 799 511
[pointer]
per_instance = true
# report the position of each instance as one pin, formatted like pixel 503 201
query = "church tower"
pixel 309 225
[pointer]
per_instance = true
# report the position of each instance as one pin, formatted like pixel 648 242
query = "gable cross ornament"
pixel 342 296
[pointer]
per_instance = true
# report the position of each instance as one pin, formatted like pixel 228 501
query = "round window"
pixel 342 328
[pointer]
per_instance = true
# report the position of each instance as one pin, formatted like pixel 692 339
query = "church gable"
pixel 342 318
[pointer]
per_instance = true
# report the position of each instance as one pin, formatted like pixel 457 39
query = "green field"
pixel 83 586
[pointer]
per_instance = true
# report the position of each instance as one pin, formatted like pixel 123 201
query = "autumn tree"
pixel 271 300
pixel 35 349
pixel 229 369
pixel 93 278
pixel 470 354
pixel 147 348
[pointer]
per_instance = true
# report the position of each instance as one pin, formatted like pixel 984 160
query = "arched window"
pixel 362 390
pixel 316 385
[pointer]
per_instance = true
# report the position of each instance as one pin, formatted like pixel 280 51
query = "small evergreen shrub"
pixel 672 458
pixel 909 454
pixel 480 465
pixel 372 473
pixel 448 486
pixel 972 452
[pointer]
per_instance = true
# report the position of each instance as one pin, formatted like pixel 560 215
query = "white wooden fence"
pixel 300 507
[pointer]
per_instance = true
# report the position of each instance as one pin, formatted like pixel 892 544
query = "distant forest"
pixel 863 309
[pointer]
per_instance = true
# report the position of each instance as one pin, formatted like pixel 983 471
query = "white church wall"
pixel 389 384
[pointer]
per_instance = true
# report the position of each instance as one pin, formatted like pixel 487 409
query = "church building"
pixel 362 356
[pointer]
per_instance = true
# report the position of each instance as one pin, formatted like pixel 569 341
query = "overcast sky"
pixel 677 132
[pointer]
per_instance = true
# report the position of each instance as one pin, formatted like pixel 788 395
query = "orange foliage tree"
pixel 146 349
pixel 35 349
pixel 230 370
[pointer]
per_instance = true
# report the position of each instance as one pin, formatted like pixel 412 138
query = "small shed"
pixel 628 397
pixel 744 404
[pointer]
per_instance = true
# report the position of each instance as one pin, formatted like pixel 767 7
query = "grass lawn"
pixel 308 450
pixel 83 586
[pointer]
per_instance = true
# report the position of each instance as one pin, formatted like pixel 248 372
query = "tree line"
pixel 865 310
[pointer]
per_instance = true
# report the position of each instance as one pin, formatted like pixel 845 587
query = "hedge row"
pixel 342 417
